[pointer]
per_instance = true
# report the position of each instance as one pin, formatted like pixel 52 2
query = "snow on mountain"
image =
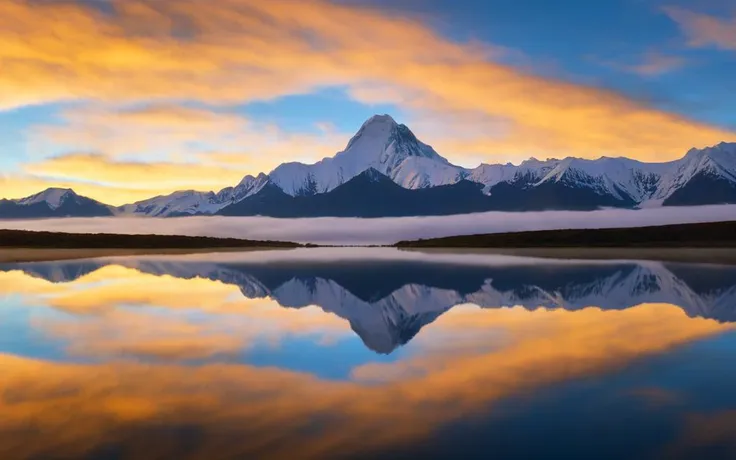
pixel 248 186
pixel 184 202
pixel 490 175
pixel 51 203
pixel 53 197
pixel 422 172
pixel 191 202
pixel 529 172
pixel 622 178
pixel 647 184
pixel 717 161
pixel 381 143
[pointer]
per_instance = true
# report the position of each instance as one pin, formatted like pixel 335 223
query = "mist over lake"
pixel 354 231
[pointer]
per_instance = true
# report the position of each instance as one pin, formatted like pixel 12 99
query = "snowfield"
pixel 353 231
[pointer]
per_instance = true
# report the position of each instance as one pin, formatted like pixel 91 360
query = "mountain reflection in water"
pixel 257 356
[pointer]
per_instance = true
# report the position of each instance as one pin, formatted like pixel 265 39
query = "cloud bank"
pixel 354 231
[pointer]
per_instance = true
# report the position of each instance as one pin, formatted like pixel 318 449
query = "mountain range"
pixel 388 301
pixel 386 171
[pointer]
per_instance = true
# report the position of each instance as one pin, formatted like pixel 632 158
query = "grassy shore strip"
pixel 52 240
pixel 708 235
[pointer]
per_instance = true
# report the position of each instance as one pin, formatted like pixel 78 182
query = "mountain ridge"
pixel 54 202
pixel 702 176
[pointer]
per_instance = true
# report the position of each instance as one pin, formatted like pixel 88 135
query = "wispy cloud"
pixel 650 64
pixel 705 30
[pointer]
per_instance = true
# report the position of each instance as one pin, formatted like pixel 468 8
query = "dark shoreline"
pixel 53 240
pixel 695 236
pixel 699 243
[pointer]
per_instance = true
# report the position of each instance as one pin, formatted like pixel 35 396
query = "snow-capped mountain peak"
pixel 375 128
pixel 382 140
pixel 249 186
pixel 380 143
pixel 718 161
pixel 622 178
pixel 53 197
pixel 54 202
pixel 190 202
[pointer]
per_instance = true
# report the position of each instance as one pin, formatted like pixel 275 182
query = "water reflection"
pixel 348 354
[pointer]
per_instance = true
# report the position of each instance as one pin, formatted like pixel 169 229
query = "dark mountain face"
pixel 703 189
pixel 12 210
pixel 519 196
pixel 79 206
pixel 372 194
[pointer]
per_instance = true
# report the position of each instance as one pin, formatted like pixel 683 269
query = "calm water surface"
pixel 352 353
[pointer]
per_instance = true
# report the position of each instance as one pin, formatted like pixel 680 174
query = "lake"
pixel 366 353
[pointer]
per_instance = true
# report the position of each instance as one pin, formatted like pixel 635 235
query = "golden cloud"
pixel 19 186
pixel 134 175
pixel 235 51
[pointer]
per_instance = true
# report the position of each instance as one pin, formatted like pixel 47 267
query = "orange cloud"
pixel 172 115
pixel 235 51
pixel 704 30
pixel 19 186
pixel 134 175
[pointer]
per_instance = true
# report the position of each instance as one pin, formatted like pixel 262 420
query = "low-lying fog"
pixel 354 231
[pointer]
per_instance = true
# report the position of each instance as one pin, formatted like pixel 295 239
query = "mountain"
pixel 381 144
pixel 388 301
pixel 369 194
pixel 348 184
pixel 53 202
pixel 338 186
pixel 191 202
pixel 705 176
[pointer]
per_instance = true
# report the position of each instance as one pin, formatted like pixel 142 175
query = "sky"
pixel 123 100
